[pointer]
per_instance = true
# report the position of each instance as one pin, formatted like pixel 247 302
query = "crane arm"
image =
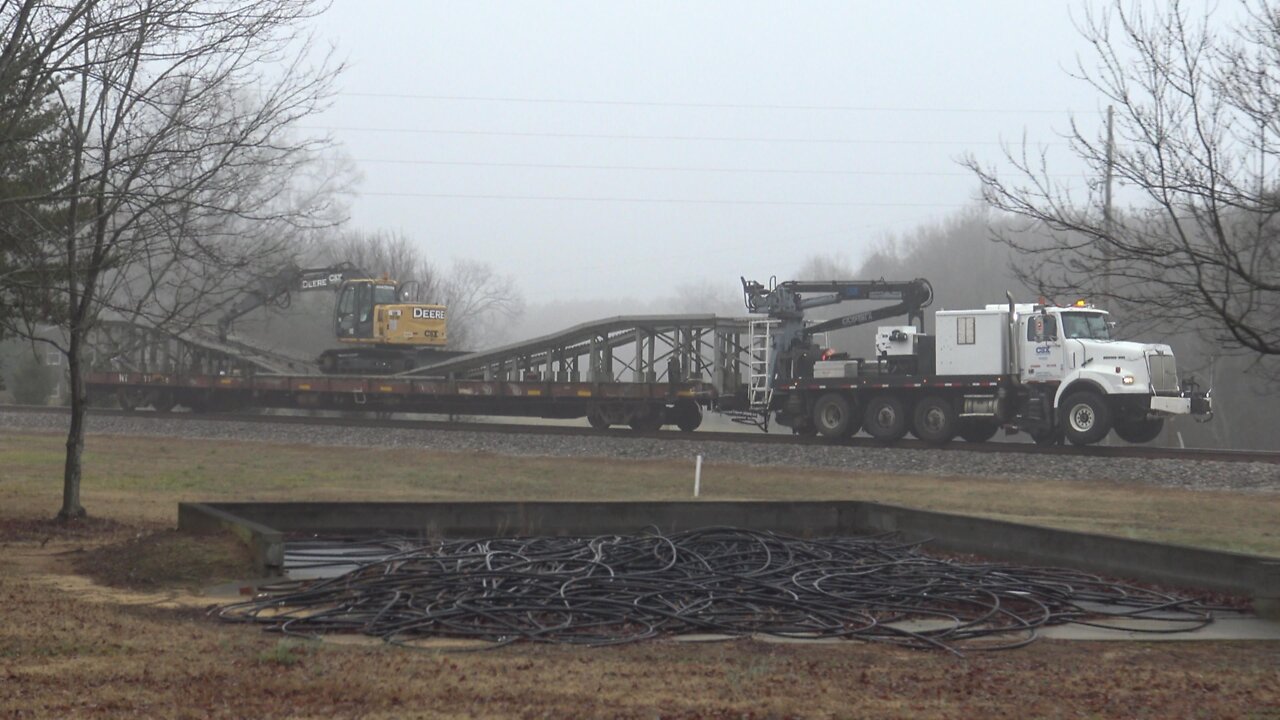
pixel 915 296
pixel 786 302
pixel 790 299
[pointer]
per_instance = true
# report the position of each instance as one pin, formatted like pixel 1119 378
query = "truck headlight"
pixel 1127 380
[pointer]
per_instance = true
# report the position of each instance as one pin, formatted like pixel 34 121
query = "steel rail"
pixel 1130 451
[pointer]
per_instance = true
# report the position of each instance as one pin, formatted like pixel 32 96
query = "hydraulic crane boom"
pixel 787 302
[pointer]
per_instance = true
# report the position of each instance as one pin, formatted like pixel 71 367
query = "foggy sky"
pixel 775 131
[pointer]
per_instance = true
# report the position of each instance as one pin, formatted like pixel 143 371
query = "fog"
pixel 615 151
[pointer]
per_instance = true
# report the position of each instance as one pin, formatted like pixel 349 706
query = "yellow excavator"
pixel 380 331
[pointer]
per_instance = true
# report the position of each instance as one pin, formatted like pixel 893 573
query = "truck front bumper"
pixel 1184 404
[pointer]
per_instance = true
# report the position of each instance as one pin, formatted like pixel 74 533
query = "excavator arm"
pixel 279 288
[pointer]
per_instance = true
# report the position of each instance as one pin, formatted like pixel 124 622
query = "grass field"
pixel 71 646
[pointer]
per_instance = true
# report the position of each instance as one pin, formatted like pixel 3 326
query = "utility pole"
pixel 1106 202
pixel 1106 218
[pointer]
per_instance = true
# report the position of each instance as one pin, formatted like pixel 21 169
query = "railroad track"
pixel 1125 451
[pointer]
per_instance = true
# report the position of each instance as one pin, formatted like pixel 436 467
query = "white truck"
pixel 1052 372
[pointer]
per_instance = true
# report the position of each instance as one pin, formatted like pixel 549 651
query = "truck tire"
pixel 1086 417
pixel 885 419
pixel 977 431
pixel 934 420
pixel 832 415
pixel 1140 431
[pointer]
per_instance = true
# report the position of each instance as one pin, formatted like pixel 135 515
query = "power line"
pixel 674 201
pixel 710 105
pixel 664 168
pixel 693 138
pixel 654 168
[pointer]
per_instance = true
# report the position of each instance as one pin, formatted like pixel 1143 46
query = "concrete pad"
pixel 1235 627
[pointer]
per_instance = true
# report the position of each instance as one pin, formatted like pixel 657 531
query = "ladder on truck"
pixel 759 383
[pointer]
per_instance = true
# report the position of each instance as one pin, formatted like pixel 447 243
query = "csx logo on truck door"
pixel 427 314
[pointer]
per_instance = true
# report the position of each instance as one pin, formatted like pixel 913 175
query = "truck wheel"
pixel 1140 431
pixel 976 431
pixel 1086 419
pixel 832 415
pixel 885 419
pixel 934 420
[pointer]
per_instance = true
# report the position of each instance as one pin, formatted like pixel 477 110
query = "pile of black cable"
pixel 624 588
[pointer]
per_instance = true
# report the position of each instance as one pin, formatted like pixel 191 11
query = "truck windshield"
pixel 1087 326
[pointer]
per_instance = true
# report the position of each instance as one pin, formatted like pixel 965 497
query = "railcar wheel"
pixel 688 416
pixel 128 398
pixel 832 415
pixel 1047 437
pixel 597 420
pixel 976 431
pixel 885 418
pixel 1140 431
pixel 1086 418
pixel 648 419
pixel 934 420
pixel 164 402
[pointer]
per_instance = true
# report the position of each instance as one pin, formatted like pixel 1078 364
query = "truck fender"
pixel 1076 380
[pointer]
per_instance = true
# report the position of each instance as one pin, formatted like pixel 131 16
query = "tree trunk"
pixel 71 507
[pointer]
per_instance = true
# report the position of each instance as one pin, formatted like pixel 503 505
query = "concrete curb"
pixel 263 525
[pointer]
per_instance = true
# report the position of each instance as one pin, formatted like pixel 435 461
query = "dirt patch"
pixel 165 559
pixel 45 529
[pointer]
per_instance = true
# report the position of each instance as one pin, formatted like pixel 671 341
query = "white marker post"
pixel 697 476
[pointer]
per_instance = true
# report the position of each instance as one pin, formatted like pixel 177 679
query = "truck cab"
pixel 1095 381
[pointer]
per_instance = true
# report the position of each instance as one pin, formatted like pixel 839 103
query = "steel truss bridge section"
pixel 632 348
pixel 124 345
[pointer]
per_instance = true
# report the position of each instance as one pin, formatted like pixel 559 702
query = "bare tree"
pixel 1196 138
pixel 706 297
pixel 185 171
pixel 386 252
pixel 482 303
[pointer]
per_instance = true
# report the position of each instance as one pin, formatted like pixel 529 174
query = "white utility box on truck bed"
pixel 972 342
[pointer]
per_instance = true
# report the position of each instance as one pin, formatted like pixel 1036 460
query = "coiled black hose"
pixel 624 588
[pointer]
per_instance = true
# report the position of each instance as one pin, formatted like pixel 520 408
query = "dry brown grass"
pixel 72 647
pixel 141 480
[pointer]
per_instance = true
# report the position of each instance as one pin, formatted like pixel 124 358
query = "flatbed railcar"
pixel 643 406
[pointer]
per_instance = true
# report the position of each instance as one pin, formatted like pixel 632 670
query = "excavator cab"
pixel 357 301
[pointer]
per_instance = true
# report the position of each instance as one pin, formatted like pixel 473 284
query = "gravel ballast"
pixel 1187 474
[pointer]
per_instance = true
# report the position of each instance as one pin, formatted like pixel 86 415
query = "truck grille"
pixel 1164 373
